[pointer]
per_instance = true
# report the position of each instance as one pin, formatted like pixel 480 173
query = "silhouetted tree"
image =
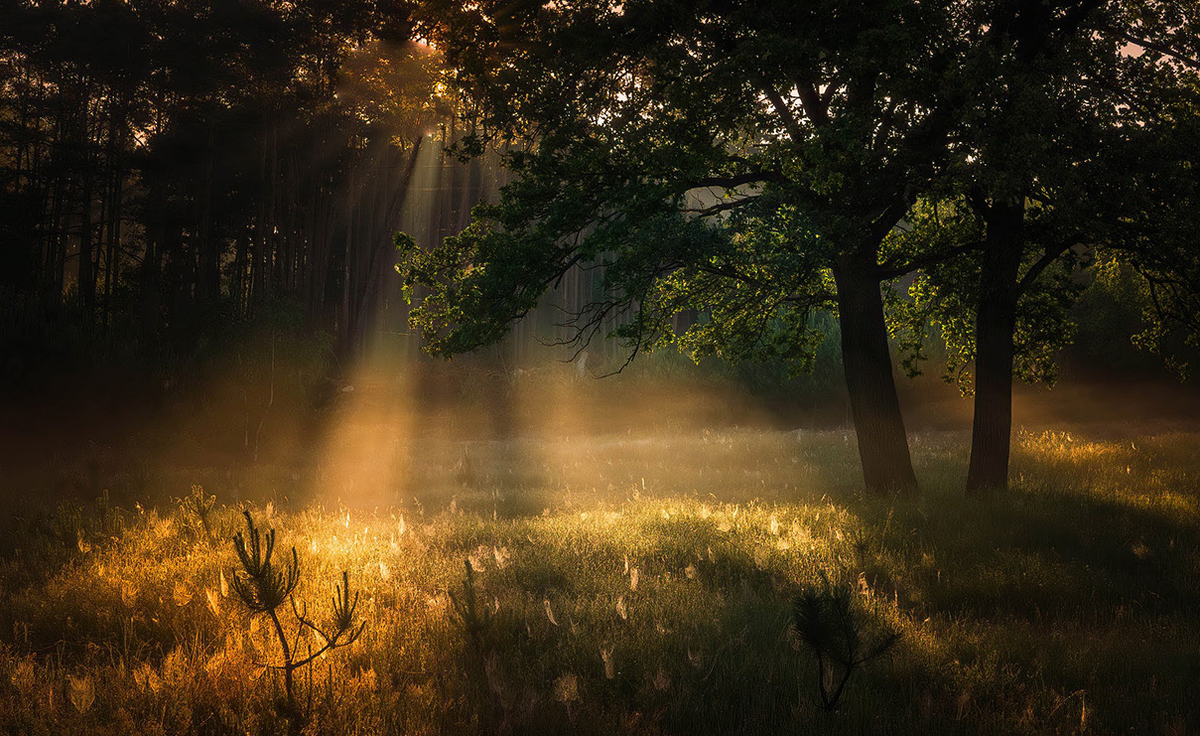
pixel 1064 155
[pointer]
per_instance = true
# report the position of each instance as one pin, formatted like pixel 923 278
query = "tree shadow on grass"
pixel 696 639
pixel 1081 577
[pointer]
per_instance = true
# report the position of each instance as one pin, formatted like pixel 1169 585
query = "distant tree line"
pixel 169 168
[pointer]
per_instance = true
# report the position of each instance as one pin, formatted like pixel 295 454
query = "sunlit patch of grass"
pixel 641 585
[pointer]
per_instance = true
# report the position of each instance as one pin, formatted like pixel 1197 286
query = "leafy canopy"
pixel 716 157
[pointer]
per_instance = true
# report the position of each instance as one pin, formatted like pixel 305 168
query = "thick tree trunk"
pixel 995 323
pixel 882 443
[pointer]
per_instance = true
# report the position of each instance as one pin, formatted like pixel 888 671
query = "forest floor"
pixel 625 584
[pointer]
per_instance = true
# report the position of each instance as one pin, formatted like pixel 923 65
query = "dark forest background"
pixel 198 201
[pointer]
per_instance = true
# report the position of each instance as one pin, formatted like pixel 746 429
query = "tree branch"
pixel 1156 46
pixel 783 111
pixel 887 219
pixel 721 207
pixel 1050 256
pixel 815 106
pixel 733 182
pixel 929 259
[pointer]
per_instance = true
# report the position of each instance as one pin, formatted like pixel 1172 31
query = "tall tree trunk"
pixel 995 323
pixel 86 274
pixel 52 293
pixel 272 193
pixel 882 443
pixel 344 322
pixel 209 276
pixel 240 258
pixel 113 198
pixel 258 261
pixel 113 255
pixel 150 298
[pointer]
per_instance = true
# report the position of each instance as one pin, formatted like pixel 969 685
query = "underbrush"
pixel 659 598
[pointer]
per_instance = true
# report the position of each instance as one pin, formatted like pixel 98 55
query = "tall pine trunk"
pixel 882 442
pixel 86 279
pixel 995 325
pixel 209 276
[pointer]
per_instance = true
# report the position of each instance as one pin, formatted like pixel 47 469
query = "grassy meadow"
pixel 637 584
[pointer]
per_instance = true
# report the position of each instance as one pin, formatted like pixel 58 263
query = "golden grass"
pixel 637 584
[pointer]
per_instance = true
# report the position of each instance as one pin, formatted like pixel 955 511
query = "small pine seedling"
pixel 474 617
pixel 827 623
pixel 263 587
pixel 197 508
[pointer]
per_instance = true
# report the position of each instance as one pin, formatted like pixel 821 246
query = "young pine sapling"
pixel 827 622
pixel 264 586
pixel 197 509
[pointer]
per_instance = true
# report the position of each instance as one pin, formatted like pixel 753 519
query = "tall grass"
pixel 637 585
